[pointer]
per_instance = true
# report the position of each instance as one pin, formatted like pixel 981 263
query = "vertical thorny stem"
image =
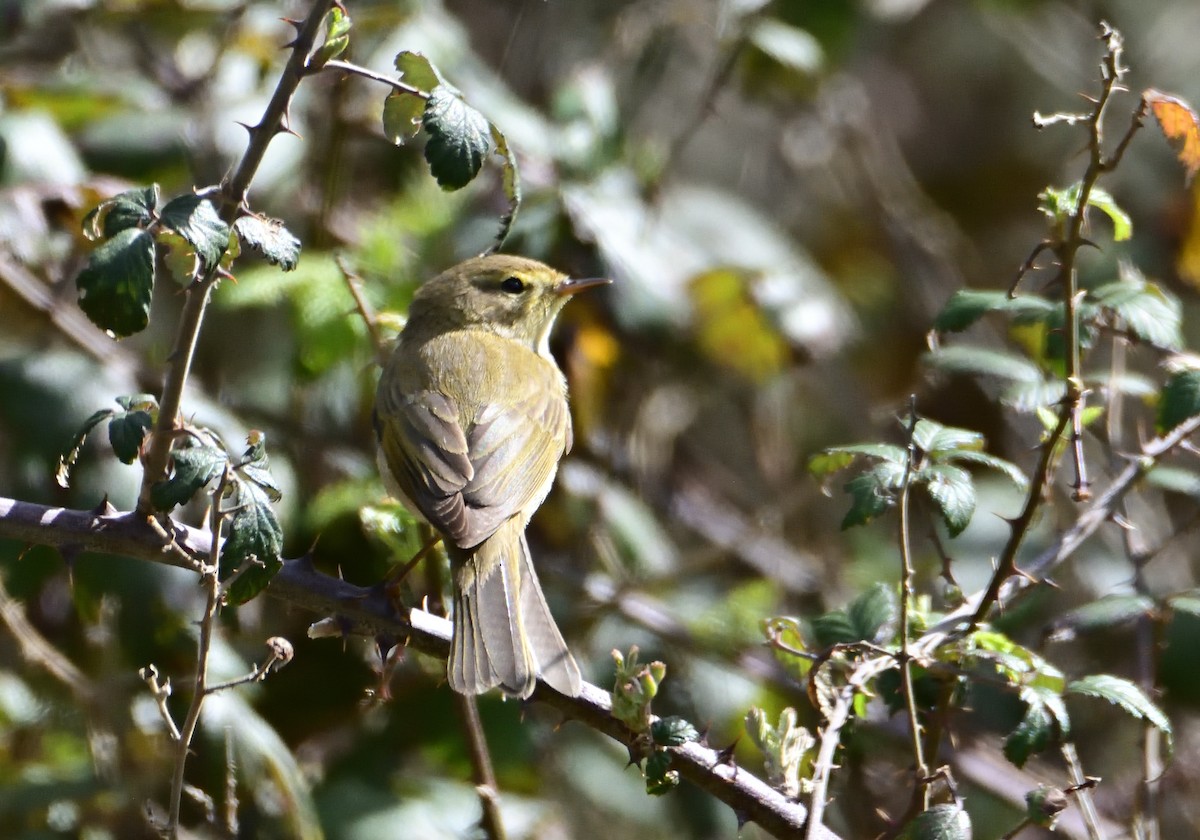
pixel 1066 247
pixel 906 595
pixel 233 196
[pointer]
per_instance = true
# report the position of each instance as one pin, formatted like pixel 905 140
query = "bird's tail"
pixel 504 633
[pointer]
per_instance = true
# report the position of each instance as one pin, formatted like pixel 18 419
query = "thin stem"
pixel 233 192
pixel 1083 791
pixel 481 767
pixel 823 767
pixel 906 595
pixel 367 73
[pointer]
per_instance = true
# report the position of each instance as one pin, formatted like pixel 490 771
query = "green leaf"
pixel 1035 396
pixel 872 493
pixel 402 113
pixel 1033 735
pixel 953 492
pixel 270 238
pixel 1123 693
pixel 673 731
pixel 660 778
pixel 1103 201
pixel 949 439
pixel 510 183
pixel 967 306
pixel 1110 611
pixel 1180 399
pixel 458 138
pixel 70 455
pixel 1146 310
pixel 126 431
pixel 253 532
pixel 416 70
pixel 116 285
pixel 1006 468
pixel 337 38
pixel 941 822
pixel 976 360
pixel 195 219
pixel 872 614
pixel 1174 479
pixel 835 458
pixel 194 467
pixel 834 628
pixel 134 208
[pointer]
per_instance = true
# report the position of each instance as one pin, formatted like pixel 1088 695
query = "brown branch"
pixel 371 612
pixel 481 767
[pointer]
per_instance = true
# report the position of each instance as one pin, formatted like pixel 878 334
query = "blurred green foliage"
pixel 787 195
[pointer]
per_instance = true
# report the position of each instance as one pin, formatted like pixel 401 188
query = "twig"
pixel 354 284
pixel 37 650
pixel 370 612
pixel 161 692
pixel 233 193
pixel 481 767
pixel 231 798
pixel 1082 787
pixel 367 73
pixel 823 766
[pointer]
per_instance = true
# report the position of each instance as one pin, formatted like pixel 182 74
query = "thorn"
pixel 725 754
pixel 742 818
pixel 1085 241
pixel 250 129
pixel 105 508
pixel 297 24
pixel 1122 523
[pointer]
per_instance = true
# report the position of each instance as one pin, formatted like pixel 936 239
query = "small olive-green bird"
pixel 472 419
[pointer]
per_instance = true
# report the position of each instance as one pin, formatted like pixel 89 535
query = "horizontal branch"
pixel 370 612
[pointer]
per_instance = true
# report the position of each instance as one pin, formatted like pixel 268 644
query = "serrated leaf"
pixel 1103 201
pixel 1033 734
pixel 1180 399
pixel 1034 396
pixel 836 458
pixel 134 208
pixel 873 613
pixel 949 439
pixel 193 468
pixel 660 778
pixel 416 70
pixel 1006 468
pixel 1145 309
pixel 953 492
pixel 70 455
pixel 1125 694
pixel 941 822
pixel 337 38
pixel 116 285
pixel 510 183
pixel 458 138
pixel 270 238
pixel 253 531
pixel 833 628
pixel 967 306
pixel 673 731
pixel 871 493
pixel 976 360
pixel 126 431
pixel 402 113
pixel 196 219
pixel 1110 611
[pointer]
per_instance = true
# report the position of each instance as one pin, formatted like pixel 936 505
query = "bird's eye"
pixel 513 285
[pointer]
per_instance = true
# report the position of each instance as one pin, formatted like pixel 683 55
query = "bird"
pixel 471 418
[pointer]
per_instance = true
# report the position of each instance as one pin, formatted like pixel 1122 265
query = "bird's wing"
pixel 468 483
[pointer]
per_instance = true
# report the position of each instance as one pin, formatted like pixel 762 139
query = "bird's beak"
pixel 571 285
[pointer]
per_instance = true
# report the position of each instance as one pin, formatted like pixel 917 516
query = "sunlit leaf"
pixel 270 238
pixel 673 731
pixel 68 457
pixel 134 208
pixel 195 219
pixel 834 628
pixel 402 113
pixel 510 183
pixel 1125 694
pixel 953 492
pixel 1109 611
pixel 731 328
pixel 941 822
pixel 1186 602
pixel 337 37
pixel 1146 310
pixel 253 532
pixel 458 138
pixel 116 285
pixel 1122 224
pixel 192 468
pixel 967 306
pixel 979 361
pixel 872 493
pixel 1174 479
pixel 790 46
pixel 1006 468
pixel 1180 125
pixel 416 70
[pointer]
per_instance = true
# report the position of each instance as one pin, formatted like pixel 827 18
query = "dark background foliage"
pixel 786 195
